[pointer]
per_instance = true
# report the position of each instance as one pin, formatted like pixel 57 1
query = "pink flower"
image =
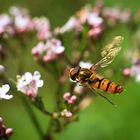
pixel 16 11
pixel 112 15
pixel 66 113
pixel 135 71
pixel 39 50
pixel 49 51
pixel 126 72
pixel 115 14
pixel 94 20
pixel 66 96
pixel 29 84
pixel 42 26
pixel 70 99
pixel 97 7
pixel 73 24
pixel 54 49
pixel 9 132
pixel 125 16
pixel 5 21
pixel 95 32
pixel 4 132
pixel 22 22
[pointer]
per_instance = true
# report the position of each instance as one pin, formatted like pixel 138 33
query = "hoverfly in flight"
pixel 88 77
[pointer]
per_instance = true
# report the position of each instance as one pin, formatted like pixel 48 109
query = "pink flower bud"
pixel 9 131
pixel 73 98
pixel 95 32
pixel 2 69
pixel 68 114
pixel 126 72
pixel 30 93
pixel 66 96
pixel 70 101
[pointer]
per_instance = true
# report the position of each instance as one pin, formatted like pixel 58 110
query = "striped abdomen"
pixel 106 85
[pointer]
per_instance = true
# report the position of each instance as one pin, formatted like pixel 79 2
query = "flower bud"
pixel 9 131
pixel 68 114
pixel 73 98
pixel 66 96
pixel 126 72
pixel 2 69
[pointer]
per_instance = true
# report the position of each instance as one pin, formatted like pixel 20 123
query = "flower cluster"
pixel 94 18
pixel 86 16
pixel 22 22
pixel 4 132
pixel 114 15
pixel 42 27
pixel 70 99
pixel 29 84
pixel 66 113
pixel 133 71
pixel 18 21
pixel 48 51
pixel 88 24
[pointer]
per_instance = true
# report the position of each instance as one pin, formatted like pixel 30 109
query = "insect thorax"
pixel 84 75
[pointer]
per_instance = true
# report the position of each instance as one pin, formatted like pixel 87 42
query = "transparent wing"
pixel 110 51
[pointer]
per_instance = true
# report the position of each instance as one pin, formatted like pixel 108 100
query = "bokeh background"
pixel 100 121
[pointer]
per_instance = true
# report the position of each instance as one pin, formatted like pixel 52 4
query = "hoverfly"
pixel 89 77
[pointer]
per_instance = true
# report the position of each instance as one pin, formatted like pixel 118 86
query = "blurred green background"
pixel 100 121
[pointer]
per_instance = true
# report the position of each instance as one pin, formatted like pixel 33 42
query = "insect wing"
pixel 115 43
pixel 110 51
pixel 108 58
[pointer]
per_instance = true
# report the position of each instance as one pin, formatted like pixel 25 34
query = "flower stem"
pixel 38 103
pixel 33 117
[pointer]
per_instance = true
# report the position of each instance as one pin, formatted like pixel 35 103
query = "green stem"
pixel 38 103
pixel 33 118
pixel 51 130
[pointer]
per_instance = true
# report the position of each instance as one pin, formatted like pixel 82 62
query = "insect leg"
pixel 93 90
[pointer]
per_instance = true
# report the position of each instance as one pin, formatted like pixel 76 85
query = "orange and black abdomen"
pixel 106 85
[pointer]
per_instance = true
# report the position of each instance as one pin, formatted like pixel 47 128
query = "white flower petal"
pixel 59 49
pixel 36 75
pixel 138 78
pixel 29 83
pixel 94 20
pixel 28 77
pixel 39 83
pixel 6 96
pixel 5 88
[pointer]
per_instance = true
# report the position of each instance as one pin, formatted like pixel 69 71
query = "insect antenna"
pixel 104 97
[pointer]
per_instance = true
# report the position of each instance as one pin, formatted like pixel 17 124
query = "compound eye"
pixel 73 73
pixel 73 77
